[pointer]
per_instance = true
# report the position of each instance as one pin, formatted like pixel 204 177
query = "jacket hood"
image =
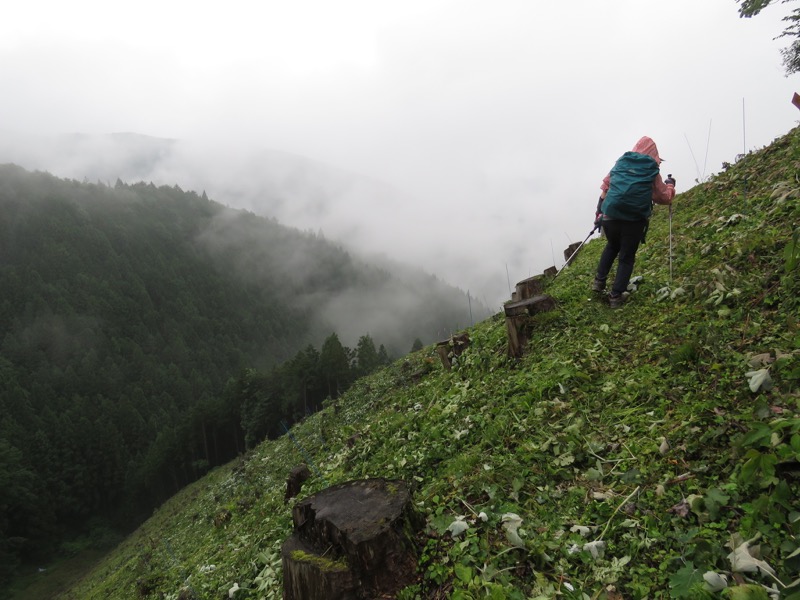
pixel 647 146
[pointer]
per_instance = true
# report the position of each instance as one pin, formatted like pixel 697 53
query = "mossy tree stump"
pixel 352 541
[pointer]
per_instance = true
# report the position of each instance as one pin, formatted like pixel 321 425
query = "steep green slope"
pixel 625 456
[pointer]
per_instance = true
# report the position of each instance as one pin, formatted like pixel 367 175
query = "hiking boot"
pixel 616 301
pixel 598 285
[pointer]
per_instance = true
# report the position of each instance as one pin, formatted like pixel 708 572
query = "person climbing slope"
pixel 626 203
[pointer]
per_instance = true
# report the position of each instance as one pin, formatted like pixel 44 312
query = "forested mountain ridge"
pixel 646 452
pixel 296 190
pixel 137 324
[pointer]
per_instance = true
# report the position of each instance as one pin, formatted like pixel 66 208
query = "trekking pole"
pixel 670 244
pixel 576 250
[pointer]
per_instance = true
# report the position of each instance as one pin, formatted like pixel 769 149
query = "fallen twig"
pixel 680 478
pixel 608 523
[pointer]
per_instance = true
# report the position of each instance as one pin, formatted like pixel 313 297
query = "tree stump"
pixel 450 348
pixel 571 252
pixel 518 318
pixel 294 483
pixel 528 288
pixel 352 541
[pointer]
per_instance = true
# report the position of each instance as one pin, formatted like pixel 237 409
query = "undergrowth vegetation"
pixel 647 452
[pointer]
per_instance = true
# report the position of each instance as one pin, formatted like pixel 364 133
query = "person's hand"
pixel 598 220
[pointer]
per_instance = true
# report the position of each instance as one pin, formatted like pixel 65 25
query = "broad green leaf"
pixel 440 523
pixel 793 561
pixel 783 496
pixel 496 592
pixel 565 459
pixel 746 592
pixel 759 468
pixel 795 444
pixel 682 582
pixel 593 474
pixel 759 435
pixel 714 500
pixel 717 496
pixel 463 572
pixel 632 476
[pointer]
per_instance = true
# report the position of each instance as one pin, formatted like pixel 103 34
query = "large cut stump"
pixel 518 320
pixel 352 541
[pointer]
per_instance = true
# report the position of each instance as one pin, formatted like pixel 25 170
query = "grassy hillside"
pixel 638 447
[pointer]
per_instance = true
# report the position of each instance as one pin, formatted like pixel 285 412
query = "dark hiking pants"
pixel 623 241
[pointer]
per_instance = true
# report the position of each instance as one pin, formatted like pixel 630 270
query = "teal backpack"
pixel 630 192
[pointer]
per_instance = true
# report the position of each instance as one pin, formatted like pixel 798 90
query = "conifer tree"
pixel 334 366
pixel 367 359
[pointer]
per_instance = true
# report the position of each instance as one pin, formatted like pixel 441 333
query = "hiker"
pixel 670 180
pixel 628 194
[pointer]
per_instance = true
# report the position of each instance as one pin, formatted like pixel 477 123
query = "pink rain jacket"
pixel 663 193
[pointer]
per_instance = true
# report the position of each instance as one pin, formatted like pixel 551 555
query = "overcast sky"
pixel 495 120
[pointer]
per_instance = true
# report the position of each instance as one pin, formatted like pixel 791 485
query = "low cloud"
pixel 464 138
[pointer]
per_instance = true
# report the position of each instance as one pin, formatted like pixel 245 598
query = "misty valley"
pixel 150 334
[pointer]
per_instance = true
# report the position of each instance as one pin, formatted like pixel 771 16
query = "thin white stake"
pixel 696 166
pixel 708 142
pixel 744 139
